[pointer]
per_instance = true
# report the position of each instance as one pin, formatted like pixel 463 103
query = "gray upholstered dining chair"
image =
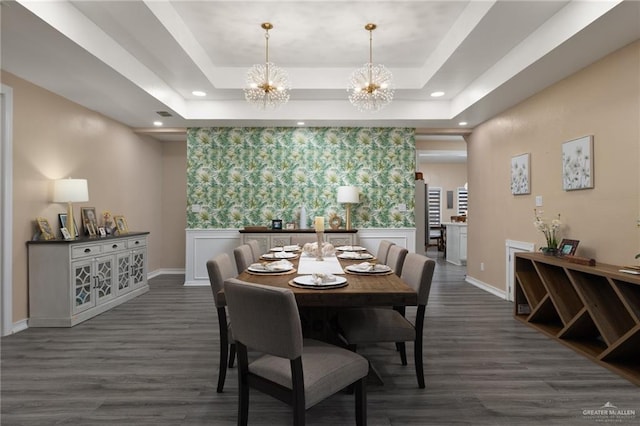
pixel 300 372
pixel 243 256
pixel 255 249
pixel 360 326
pixel 220 268
pixel 395 258
pixel 383 251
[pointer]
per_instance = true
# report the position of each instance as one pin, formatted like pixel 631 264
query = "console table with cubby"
pixel 594 310
pixel 71 281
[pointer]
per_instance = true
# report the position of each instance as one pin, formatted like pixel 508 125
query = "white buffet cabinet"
pixel 72 281
pixel 456 242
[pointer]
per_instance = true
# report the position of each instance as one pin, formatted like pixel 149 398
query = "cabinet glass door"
pixel 104 279
pixel 82 286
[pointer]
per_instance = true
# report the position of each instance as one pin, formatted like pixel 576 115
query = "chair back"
pixel 243 256
pixel 255 249
pixel 383 251
pixel 418 274
pixel 264 318
pixel 396 257
pixel 219 268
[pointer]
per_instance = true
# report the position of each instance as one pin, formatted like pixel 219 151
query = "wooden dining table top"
pixel 361 289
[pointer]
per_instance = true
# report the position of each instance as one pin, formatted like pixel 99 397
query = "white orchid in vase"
pixel 549 229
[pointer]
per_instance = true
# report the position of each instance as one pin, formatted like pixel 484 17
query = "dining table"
pixel 361 289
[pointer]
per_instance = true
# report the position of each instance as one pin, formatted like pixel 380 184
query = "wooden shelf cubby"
pixel 595 310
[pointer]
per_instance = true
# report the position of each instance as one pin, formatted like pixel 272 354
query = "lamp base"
pixel 70 222
pixel 348 220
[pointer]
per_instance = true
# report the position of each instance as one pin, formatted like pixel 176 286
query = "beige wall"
pixel 174 202
pixel 602 100
pixel 55 138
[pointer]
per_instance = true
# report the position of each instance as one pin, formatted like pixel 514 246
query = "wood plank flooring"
pixel 153 361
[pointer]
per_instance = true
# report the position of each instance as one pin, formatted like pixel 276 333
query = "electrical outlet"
pixel 538 200
pixel 482 266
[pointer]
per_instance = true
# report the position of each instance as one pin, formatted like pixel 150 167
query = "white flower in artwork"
pixel 576 164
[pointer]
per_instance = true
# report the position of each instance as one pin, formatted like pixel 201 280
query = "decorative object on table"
pixel 348 195
pixel 520 175
pixel 550 231
pixel 268 84
pixel 107 221
pixel 45 229
pixel 568 247
pixel 70 191
pixel 311 249
pixel 335 221
pixel 580 260
pixel 276 224
pixel 319 227
pixel 369 268
pixel 89 220
pixel 63 219
pixel 370 86
pixel 290 225
pixel 121 224
pixel 102 231
pixel 303 218
pixel 577 164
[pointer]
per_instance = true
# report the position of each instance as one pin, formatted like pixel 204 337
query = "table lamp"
pixel 70 191
pixel 348 195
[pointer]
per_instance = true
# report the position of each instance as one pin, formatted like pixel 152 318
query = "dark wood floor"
pixel 153 361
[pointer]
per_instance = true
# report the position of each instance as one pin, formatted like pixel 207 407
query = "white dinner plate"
pixel 279 255
pixel 307 281
pixel 353 255
pixel 263 270
pixel 351 248
pixel 377 269
pixel 286 248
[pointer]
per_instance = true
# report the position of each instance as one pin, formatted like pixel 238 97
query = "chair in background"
pixel 360 326
pixel 302 239
pixel 299 373
pixel 255 249
pixel 395 258
pixel 243 256
pixel 220 268
pixel 383 251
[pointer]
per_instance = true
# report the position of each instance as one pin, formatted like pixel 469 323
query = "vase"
pixel 549 251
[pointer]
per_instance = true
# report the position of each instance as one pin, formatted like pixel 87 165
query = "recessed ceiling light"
pixel 157 123
pixel 462 123
pixel 300 123
pixel 437 94
pixel 199 93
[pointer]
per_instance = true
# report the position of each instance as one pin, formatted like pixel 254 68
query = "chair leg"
pixel 361 402
pixel 222 368
pixel 417 346
pixel 243 387
pixel 232 354
pixel 402 348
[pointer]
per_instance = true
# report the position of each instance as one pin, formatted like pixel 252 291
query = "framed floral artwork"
pixel 520 175
pixel 577 164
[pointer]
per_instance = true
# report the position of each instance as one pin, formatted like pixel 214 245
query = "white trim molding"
pixel 6 211
pixel 486 287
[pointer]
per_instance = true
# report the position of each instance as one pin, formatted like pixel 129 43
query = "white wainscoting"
pixel 203 244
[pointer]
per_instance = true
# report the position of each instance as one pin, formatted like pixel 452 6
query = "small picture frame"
pixel 290 225
pixel 102 232
pixel 62 218
pixel 121 224
pixel 89 220
pixel 65 233
pixel 45 229
pixel 568 247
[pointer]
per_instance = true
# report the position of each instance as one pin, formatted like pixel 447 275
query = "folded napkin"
pixel 321 278
pixel 369 267
pixel 280 265
pixel 281 254
pixel 355 255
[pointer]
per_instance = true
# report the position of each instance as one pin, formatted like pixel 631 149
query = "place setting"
pixel 351 248
pixel 356 255
pixel 368 268
pixel 293 248
pixel 280 267
pixel 318 281
pixel 275 255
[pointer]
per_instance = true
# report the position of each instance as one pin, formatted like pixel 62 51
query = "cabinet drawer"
pixel 85 250
pixel 114 246
pixel 136 242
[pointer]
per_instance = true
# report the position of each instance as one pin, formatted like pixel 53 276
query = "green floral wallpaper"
pixel 249 176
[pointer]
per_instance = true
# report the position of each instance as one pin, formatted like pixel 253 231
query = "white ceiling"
pixel 130 59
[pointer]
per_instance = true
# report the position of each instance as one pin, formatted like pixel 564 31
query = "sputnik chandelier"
pixel 370 86
pixel 268 85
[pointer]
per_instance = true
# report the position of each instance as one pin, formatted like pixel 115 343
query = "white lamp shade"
pixel 348 194
pixel 70 191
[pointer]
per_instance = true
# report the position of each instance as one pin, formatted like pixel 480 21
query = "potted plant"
pixel 550 231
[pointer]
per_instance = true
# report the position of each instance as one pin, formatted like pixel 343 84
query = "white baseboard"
pixel 165 271
pixel 486 287
pixel 19 326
